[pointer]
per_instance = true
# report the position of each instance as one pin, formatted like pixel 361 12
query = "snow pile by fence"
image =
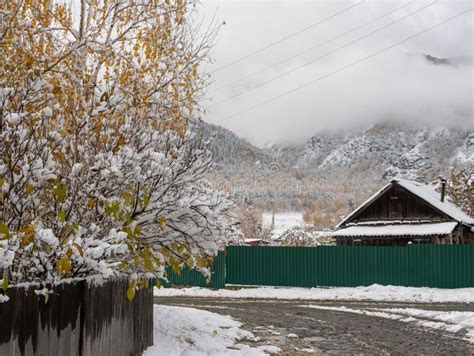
pixel 374 293
pixel 179 330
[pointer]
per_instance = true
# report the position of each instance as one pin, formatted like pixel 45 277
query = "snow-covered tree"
pixel 460 189
pixel 304 236
pixel 99 172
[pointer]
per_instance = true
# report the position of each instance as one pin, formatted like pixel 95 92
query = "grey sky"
pixel 397 84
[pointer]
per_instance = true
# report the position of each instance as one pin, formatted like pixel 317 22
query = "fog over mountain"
pixel 426 80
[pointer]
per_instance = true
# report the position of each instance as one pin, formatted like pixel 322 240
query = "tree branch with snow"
pixel 100 173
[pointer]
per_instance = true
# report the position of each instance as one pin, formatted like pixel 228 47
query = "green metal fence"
pixel 443 266
pixel 192 277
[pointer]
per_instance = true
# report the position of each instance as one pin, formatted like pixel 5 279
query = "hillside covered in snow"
pixel 398 150
pixel 410 152
pixel 334 171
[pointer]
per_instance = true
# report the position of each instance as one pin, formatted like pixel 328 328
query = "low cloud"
pixel 399 84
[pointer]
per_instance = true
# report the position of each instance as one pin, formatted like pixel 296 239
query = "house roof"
pixel 431 196
pixel 424 192
pixel 443 228
pixel 256 240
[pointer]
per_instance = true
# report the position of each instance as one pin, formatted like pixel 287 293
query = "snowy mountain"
pixel 415 153
pixel 230 151
pixel 323 176
pixel 380 145
pixel 464 154
pixel 387 149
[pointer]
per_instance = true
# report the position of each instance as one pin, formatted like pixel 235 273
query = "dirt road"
pixel 294 327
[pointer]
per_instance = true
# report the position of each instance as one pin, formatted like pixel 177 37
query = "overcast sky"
pixel 397 84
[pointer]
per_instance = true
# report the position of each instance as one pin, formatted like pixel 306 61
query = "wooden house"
pixel 405 212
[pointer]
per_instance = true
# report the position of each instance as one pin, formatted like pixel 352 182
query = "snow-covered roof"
pixel 423 191
pixel 256 240
pixel 432 197
pixel 444 228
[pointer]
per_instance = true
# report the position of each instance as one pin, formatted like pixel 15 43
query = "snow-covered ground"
pixel 192 332
pixel 374 293
pixel 450 321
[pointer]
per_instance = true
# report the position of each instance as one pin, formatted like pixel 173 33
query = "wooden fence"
pixel 78 319
pixel 442 266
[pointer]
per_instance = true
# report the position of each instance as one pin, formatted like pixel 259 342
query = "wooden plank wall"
pixel 78 319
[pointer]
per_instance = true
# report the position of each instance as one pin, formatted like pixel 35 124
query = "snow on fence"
pixel 78 319
pixel 441 266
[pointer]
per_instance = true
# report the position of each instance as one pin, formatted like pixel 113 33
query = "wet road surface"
pixel 322 331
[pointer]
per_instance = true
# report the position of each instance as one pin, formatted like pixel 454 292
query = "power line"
pixel 324 56
pixel 287 37
pixel 345 67
pixel 232 84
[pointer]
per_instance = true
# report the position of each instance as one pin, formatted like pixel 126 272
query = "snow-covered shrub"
pixel 99 171
pixel 305 236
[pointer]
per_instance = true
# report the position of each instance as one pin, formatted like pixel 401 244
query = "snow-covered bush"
pixel 99 172
pixel 305 236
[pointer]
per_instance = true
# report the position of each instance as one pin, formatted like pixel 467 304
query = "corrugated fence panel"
pixel 443 266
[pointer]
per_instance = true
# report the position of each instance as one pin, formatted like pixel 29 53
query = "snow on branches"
pixel 305 236
pixel 461 189
pixel 99 171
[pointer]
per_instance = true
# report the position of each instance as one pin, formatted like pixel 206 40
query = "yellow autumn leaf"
pixel 148 264
pixel 5 283
pixel 202 262
pixel 63 266
pixel 78 248
pixel 130 293
pixel 162 221
pixel 4 231
pixel 60 192
pixel 120 142
pixel 28 234
pixel 61 216
pixel 29 188
pixel 90 203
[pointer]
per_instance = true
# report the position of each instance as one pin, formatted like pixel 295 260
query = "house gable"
pixel 397 203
